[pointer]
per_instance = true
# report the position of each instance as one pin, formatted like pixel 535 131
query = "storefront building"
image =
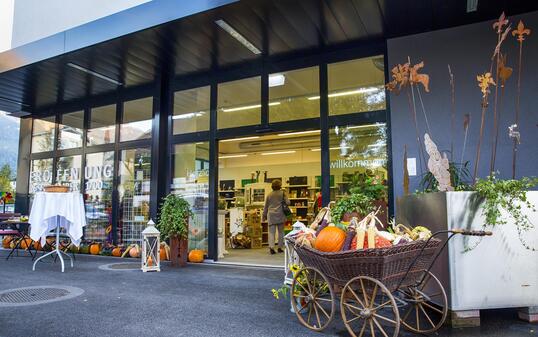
pixel 194 108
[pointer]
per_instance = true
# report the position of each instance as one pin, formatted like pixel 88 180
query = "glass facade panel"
pixel 294 95
pixel 136 122
pixel 191 110
pixel 356 86
pixel 70 130
pixel 358 158
pixel 43 134
pixel 102 128
pixel 98 175
pixel 190 179
pixel 134 193
pixel 239 103
pixel 40 174
pixel 68 172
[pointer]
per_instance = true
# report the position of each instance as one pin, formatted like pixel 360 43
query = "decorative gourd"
pixel 134 251
pixel 95 249
pixel 163 254
pixel 196 256
pixel 330 239
pixel 73 248
pixel 84 249
pixel 26 243
pixel 116 252
pixel 149 262
pixel 6 241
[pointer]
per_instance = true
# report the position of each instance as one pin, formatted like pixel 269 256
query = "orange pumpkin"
pixel 116 252
pixel 196 256
pixel 26 243
pixel 330 239
pixel 37 245
pixel 6 241
pixel 149 262
pixel 134 252
pixel 95 249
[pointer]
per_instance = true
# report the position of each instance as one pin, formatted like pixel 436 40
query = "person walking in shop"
pixel 273 213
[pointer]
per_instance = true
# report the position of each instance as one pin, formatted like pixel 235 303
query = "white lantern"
pixel 151 246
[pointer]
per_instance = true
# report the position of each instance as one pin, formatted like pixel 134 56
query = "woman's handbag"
pixel 285 208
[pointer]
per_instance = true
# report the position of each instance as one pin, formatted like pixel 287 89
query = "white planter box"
pixel 498 273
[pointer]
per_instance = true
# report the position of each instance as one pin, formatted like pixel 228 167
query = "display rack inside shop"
pixel 245 205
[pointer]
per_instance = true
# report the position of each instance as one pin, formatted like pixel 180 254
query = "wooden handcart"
pixel 379 289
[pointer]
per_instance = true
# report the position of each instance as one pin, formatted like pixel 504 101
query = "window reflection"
pixel 40 174
pixel 98 175
pixel 70 130
pixel 356 86
pixel 102 128
pixel 191 110
pixel 239 103
pixel 191 181
pixel 134 193
pixel 136 122
pixel 43 134
pixel 290 95
pixel 68 172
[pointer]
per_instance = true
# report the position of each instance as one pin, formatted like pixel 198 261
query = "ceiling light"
pixel 188 115
pixel 298 133
pixel 365 126
pixel 233 156
pixel 239 139
pixel 279 152
pixel 346 93
pixel 236 35
pixel 91 72
pixel 332 148
pixel 248 107
pixel 276 80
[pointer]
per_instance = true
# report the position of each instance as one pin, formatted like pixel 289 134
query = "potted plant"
pixel 454 196
pixel 374 187
pixel 354 205
pixel 174 225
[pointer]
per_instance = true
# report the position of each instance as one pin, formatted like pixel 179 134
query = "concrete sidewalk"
pixel 200 300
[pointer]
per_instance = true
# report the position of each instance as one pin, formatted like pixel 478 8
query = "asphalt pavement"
pixel 199 300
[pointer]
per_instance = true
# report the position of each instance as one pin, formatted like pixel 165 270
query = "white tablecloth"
pixel 69 207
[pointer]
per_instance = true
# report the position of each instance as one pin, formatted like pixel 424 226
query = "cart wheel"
pixel 427 305
pixel 368 306
pixel 312 298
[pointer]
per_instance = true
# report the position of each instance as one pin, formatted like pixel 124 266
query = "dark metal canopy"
pixel 196 44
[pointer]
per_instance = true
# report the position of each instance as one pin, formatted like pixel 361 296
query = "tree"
pixel 5 178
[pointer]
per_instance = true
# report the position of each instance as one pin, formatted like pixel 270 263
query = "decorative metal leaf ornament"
pixel 500 23
pixel 416 78
pixel 521 31
pixel 504 71
pixel 438 165
pixel 484 81
pixel 514 134
pixel 400 78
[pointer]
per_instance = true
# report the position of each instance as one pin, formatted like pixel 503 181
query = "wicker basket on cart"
pixel 388 265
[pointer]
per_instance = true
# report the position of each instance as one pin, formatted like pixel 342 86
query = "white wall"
pixel 6 24
pixel 37 19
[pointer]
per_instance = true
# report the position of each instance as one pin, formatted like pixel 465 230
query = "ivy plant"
pixel 357 202
pixel 509 195
pixel 174 217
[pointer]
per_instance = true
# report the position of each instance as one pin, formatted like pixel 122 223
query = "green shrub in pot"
pixel 357 203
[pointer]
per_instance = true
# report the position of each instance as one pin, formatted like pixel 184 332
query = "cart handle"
pixel 470 233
